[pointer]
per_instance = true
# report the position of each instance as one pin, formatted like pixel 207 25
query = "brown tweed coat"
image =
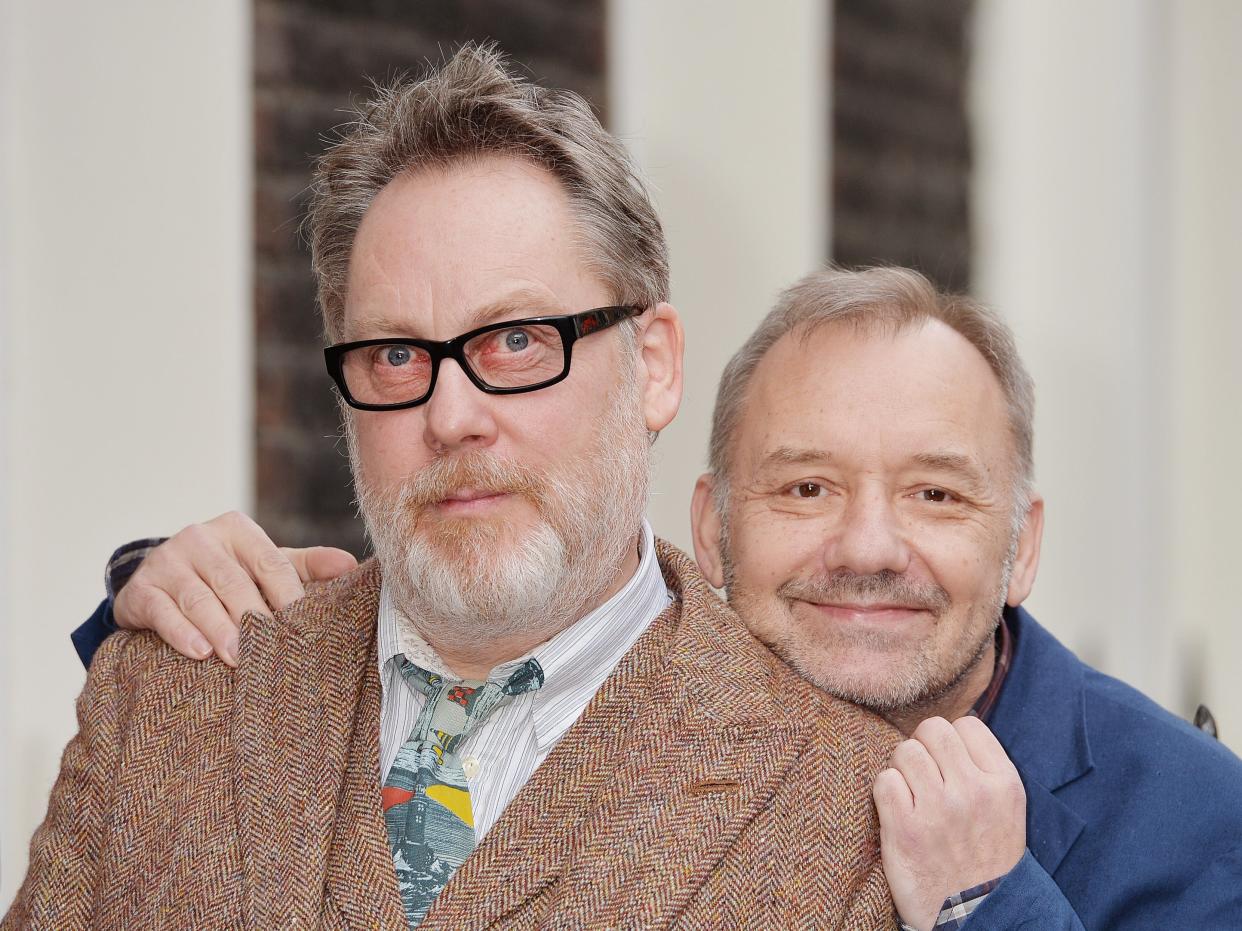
pixel 706 786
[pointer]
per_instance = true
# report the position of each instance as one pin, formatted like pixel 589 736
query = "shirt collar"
pixel 575 662
pixel 982 708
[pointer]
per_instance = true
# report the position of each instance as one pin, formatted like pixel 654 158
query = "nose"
pixel 869 537
pixel 458 415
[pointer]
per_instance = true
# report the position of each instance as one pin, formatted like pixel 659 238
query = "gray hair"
pixel 876 299
pixel 470 107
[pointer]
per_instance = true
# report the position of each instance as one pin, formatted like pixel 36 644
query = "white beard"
pixel 463 581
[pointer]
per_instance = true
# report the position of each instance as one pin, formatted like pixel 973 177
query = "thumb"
pixel 320 563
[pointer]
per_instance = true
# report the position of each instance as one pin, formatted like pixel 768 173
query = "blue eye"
pixel 517 340
pixel 397 355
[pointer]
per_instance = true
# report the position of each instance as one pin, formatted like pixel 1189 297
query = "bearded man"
pixel 525 711
pixel 871 514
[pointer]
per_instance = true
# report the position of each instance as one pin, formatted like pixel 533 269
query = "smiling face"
pixel 497 514
pixel 870 535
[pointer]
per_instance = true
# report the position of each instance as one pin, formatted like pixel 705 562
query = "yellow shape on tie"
pixel 455 800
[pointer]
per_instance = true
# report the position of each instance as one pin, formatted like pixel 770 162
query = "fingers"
pixel 320 563
pixel 918 769
pixel 267 566
pixel 161 615
pixel 892 795
pixel 208 576
pixel 195 588
pixel 984 749
pixel 945 745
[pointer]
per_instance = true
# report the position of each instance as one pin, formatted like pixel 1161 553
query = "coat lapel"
pixel 645 793
pixel 1044 694
pixel 306 720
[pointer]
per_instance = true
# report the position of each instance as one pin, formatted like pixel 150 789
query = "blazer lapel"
pixel 274 705
pixel 1052 827
pixel 1044 695
pixel 650 786
pixel 306 720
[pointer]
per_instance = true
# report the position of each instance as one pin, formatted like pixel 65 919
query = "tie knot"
pixel 454 709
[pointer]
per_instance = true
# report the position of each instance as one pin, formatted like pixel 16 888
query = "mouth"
pixel 868 614
pixel 471 500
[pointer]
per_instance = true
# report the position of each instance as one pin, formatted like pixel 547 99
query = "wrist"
pixel 125 561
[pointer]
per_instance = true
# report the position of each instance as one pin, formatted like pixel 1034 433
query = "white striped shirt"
pixel 508 747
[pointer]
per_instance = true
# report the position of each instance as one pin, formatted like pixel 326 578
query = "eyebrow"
pixel 957 463
pixel 521 303
pixel 794 455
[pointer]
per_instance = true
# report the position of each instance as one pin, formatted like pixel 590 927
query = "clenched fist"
pixel 952 815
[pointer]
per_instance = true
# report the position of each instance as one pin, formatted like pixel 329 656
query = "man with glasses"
pixel 871 515
pixel 526 710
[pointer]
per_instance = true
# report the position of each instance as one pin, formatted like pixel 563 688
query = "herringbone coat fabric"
pixel 705 786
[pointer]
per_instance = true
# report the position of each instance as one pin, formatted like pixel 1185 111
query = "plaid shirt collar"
pixel 986 702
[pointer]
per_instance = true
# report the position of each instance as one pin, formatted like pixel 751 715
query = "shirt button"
pixel 471 766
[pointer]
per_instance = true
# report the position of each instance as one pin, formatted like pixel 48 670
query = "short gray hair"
pixel 884 298
pixel 473 106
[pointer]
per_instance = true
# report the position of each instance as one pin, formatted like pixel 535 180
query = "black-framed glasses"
pixel 501 358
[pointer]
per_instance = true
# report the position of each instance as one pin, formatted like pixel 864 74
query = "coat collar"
pixel 668 740
pixel 687 724
pixel 306 719
pixel 1044 694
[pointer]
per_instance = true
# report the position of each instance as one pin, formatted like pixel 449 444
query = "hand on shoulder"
pixel 194 588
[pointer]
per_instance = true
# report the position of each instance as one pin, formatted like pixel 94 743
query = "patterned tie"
pixel 426 798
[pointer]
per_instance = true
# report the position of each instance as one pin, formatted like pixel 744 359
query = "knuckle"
pixel 934 729
pixel 969 723
pixel 905 751
pixel 236 522
pixel 1014 791
pixel 191 600
pixel 273 561
pixel 886 783
pixel 227 579
pixel 191 535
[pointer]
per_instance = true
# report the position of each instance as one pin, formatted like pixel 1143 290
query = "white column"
pixel 125 328
pixel 726 107
pixel 1206 438
pixel 1107 202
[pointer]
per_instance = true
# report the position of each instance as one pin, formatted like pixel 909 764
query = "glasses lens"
pixel 387 374
pixel 517 356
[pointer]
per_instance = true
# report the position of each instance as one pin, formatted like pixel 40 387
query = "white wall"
pixel 725 106
pixel 125 331
pixel 1107 223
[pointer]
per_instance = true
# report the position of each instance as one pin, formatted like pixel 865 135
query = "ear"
pixel 661 343
pixel 1026 560
pixel 705 529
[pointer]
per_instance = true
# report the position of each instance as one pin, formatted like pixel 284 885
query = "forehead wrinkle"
pixel 521 302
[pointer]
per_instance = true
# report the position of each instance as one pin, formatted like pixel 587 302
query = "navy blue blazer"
pixel 1134 818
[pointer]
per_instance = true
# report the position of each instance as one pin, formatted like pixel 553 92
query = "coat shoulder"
pixel 715 645
pixel 1157 754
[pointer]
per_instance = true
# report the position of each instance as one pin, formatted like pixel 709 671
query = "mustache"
pixel 884 587
pixel 474 469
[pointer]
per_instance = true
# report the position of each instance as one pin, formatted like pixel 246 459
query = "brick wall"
pixel 901 145
pixel 310 61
